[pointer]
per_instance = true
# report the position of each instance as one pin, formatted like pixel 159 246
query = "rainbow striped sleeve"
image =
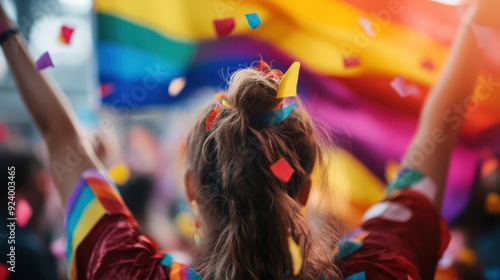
pixel 178 271
pixel 94 196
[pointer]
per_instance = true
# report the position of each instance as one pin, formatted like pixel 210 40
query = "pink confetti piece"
pixel 428 65
pixel 282 170
pixel 351 61
pixel 489 166
pixel 58 248
pixel 66 34
pixel 4 271
pixel 367 26
pixel 106 89
pixel 23 212
pixel 224 27
pixel 403 88
pixel 176 86
pixel 4 132
pixel 484 36
pixel 44 62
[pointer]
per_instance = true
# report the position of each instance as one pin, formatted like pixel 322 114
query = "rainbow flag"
pixel 144 45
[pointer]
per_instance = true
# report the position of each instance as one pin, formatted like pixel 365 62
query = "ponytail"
pixel 249 214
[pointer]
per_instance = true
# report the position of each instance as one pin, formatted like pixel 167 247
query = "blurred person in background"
pixel 479 224
pixel 34 259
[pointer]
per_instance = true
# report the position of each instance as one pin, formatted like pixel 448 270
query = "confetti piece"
pixel 4 271
pixel 409 277
pixel 275 73
pixel 119 173
pixel 391 170
pixel 23 212
pixel 357 276
pixel 296 255
pixel 225 104
pixel 211 117
pixel 224 27
pixel 106 89
pixel 428 65
pixel 493 203
pixel 288 83
pixel 185 224
pixel 488 167
pixel 262 66
pixel 253 20
pixel 403 88
pixel 351 61
pixel 367 26
pixel 66 34
pixel 4 132
pixel 58 248
pixel 220 96
pixel 484 36
pixel 282 170
pixel 467 256
pixel 44 62
pixel 176 86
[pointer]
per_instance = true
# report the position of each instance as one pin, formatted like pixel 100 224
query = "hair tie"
pixel 287 88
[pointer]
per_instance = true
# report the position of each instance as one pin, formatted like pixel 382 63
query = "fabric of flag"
pixel 144 45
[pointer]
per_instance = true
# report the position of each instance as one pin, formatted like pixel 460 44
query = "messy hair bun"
pixel 252 93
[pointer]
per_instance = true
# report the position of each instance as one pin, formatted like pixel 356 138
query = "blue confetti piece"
pixel 253 20
pixel 357 276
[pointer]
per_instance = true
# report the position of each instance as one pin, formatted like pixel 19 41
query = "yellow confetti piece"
pixel 492 203
pixel 467 257
pixel 119 173
pixel 288 84
pixel 225 104
pixel 185 225
pixel 391 170
pixel 296 255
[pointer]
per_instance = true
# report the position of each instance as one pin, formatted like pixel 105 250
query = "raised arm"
pixel 444 111
pixel 70 153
